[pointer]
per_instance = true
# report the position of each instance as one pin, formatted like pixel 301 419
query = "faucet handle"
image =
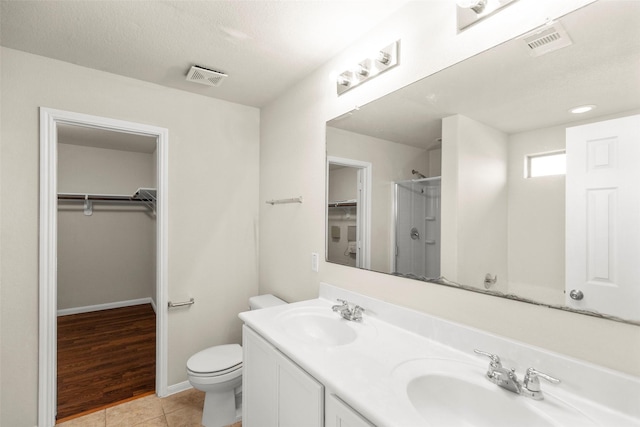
pixel 495 359
pixel 343 304
pixel 531 383
pixel 357 313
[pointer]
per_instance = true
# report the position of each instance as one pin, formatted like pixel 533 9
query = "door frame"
pixel 47 339
pixel 363 221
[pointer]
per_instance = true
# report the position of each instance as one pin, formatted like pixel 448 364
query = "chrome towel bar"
pixel 180 304
pixel 281 201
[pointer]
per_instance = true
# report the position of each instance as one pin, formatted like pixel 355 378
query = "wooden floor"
pixel 105 357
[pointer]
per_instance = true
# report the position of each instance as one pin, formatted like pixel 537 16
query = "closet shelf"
pixel 146 196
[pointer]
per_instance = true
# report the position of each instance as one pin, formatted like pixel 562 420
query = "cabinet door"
pixel 339 414
pixel 259 398
pixel 275 391
pixel 300 396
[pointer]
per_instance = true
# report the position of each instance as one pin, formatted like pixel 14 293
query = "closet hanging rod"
pixel 281 201
pixel 342 204
pixel 146 196
pixel 98 197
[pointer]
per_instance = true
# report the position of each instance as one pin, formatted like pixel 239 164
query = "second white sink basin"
pixel 452 393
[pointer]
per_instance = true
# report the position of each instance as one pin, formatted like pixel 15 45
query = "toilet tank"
pixel 264 301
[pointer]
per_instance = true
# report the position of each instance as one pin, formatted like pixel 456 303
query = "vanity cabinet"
pixel 339 414
pixel 275 391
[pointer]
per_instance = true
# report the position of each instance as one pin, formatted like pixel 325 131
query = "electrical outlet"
pixel 314 261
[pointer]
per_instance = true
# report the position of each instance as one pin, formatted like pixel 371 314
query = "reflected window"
pixel 546 164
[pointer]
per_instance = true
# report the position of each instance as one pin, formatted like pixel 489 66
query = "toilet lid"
pixel 219 359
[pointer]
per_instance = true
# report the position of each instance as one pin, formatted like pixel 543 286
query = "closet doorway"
pixel 103 263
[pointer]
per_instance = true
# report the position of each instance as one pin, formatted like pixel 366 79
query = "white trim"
pixel 49 119
pixel 177 388
pixel 364 214
pixel 105 306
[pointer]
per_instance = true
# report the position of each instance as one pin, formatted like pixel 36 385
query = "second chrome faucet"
pixel 507 379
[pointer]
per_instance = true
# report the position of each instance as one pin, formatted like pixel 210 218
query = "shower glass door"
pixel 417 228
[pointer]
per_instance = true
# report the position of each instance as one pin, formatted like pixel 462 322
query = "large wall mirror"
pixel 481 177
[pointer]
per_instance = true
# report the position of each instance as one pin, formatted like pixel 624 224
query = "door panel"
pixel 603 216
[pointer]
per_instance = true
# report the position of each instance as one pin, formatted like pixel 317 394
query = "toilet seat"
pixel 216 361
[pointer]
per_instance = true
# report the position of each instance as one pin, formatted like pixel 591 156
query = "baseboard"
pixel 177 388
pixel 107 306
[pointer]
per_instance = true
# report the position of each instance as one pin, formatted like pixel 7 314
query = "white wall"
pixel 474 213
pixel 108 256
pixel 292 156
pixel 536 220
pixel 213 194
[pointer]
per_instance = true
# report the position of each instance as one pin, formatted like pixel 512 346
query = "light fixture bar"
pixel 383 60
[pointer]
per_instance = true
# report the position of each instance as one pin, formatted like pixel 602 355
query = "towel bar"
pixel 180 304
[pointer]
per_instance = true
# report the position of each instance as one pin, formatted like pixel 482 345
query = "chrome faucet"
pixel 507 379
pixel 349 311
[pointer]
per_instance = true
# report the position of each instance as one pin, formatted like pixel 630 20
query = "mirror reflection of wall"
pixel 474 202
pixel 497 114
pixel 390 163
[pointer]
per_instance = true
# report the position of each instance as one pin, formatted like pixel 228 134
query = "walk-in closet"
pixel 106 268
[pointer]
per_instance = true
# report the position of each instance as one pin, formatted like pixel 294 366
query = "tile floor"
pixel 182 409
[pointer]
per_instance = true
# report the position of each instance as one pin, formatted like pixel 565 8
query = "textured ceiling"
pixel 264 46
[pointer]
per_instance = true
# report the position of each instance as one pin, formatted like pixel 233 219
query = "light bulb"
pixel 582 109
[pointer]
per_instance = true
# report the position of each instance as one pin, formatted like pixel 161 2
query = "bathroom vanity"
pixel 305 365
pixel 278 392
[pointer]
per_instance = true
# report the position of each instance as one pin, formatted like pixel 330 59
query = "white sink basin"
pixel 320 327
pixel 452 393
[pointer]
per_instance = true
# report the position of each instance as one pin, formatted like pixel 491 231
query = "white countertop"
pixel 370 373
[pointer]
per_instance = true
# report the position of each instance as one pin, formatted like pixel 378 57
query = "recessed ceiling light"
pixel 582 109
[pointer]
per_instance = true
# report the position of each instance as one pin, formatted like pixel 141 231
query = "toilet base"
pixel 221 409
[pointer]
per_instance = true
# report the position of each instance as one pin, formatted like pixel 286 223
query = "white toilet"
pixel 218 372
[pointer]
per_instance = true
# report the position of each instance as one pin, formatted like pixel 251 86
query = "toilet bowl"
pixel 218 372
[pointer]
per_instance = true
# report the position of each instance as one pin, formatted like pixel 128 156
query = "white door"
pixel 603 217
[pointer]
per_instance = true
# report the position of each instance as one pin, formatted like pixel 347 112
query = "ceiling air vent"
pixel 205 76
pixel 551 37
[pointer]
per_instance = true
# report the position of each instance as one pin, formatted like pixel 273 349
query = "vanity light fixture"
pixel 582 109
pixel 383 60
pixel 476 5
pixel 471 11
